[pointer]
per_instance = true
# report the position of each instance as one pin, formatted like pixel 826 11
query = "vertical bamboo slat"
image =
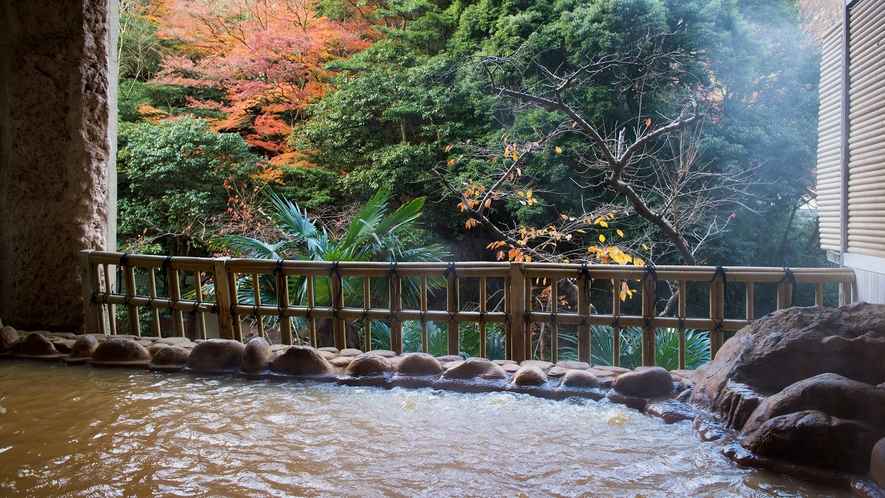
pixel 155 313
pixel 311 302
pixel 233 300
pixel 717 313
pixel 648 312
pixel 527 333
pixel 112 312
pixel 198 288
pixel 554 327
pixel 256 297
pixel 222 298
pixel 283 305
pixel 751 312
pixel 819 293
pixel 584 345
pixel 175 296
pixel 340 338
pixel 453 333
pixel 89 283
pixel 396 304
pixel 683 289
pixel 425 337
pixel 616 329
pixel 482 324
pixel 131 309
pixel 367 305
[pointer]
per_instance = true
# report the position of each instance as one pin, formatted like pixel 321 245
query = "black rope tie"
pixel 482 317
pixel 422 316
pixel 124 261
pixel 452 317
pixel 650 272
pixel 365 315
pixel 392 271
pixel 721 272
pixel 149 302
pixel 681 323
pixel 790 278
pixel 255 312
pixel 307 315
pixel 584 271
pixel 450 270
pixel 616 323
pixel 393 317
pixel 648 321
pixel 718 323
pixel 333 270
pixel 552 319
pixel 278 269
pixel 336 301
pixel 167 263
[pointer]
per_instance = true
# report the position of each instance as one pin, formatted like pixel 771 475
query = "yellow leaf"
pixel 563 216
pixel 603 224
pixel 620 233
pixel 494 158
pixel 559 150
pixel 581 231
pixel 515 155
pixel 448 147
pixel 521 193
pixel 611 216
pixel 601 238
pixel 638 261
pixel 646 247
pixel 528 193
pixel 518 172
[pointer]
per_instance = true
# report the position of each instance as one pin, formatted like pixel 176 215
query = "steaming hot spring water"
pixel 69 430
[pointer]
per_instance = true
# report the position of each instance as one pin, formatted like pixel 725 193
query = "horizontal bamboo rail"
pixel 235 279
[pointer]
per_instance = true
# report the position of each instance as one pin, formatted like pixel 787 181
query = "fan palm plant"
pixel 372 235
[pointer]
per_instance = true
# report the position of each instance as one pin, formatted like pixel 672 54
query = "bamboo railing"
pixel 220 285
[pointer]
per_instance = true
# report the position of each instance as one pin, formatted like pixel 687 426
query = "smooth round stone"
pixel 646 383
pixel 418 365
pixel 84 347
pixel 257 356
pixel 476 368
pixel 384 352
pixel 350 352
pixel 156 347
pixel 557 371
pixel 9 339
pixel 579 378
pixel 120 351
pixel 216 355
pixel 341 361
pixel 303 361
pixel 576 365
pixel 36 344
pixel 171 356
pixel 543 365
pixel 368 365
pixel 529 375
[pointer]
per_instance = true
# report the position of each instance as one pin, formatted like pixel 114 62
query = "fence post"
pixel 222 298
pixel 518 328
pixel 585 348
pixel 453 330
pixel 91 311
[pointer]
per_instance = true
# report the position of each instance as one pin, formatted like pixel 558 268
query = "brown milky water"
pixel 83 431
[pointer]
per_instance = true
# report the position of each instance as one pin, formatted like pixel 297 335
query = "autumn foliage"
pixel 266 56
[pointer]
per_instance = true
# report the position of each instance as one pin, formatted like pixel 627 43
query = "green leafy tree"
pixel 171 184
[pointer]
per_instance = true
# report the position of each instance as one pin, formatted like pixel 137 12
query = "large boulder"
pixel 645 383
pixel 579 379
pixel 170 358
pixel 811 437
pixel 302 361
pixel 788 346
pixel 828 393
pixel 216 355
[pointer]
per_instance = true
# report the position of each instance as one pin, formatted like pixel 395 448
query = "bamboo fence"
pixel 221 287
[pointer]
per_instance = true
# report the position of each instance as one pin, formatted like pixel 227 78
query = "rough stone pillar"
pixel 57 146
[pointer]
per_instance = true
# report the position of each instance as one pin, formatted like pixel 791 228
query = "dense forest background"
pixel 326 102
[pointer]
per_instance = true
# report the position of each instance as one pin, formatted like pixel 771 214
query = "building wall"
pixel 57 138
pixel 851 150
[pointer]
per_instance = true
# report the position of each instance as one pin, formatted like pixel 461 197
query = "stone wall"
pixel 57 138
